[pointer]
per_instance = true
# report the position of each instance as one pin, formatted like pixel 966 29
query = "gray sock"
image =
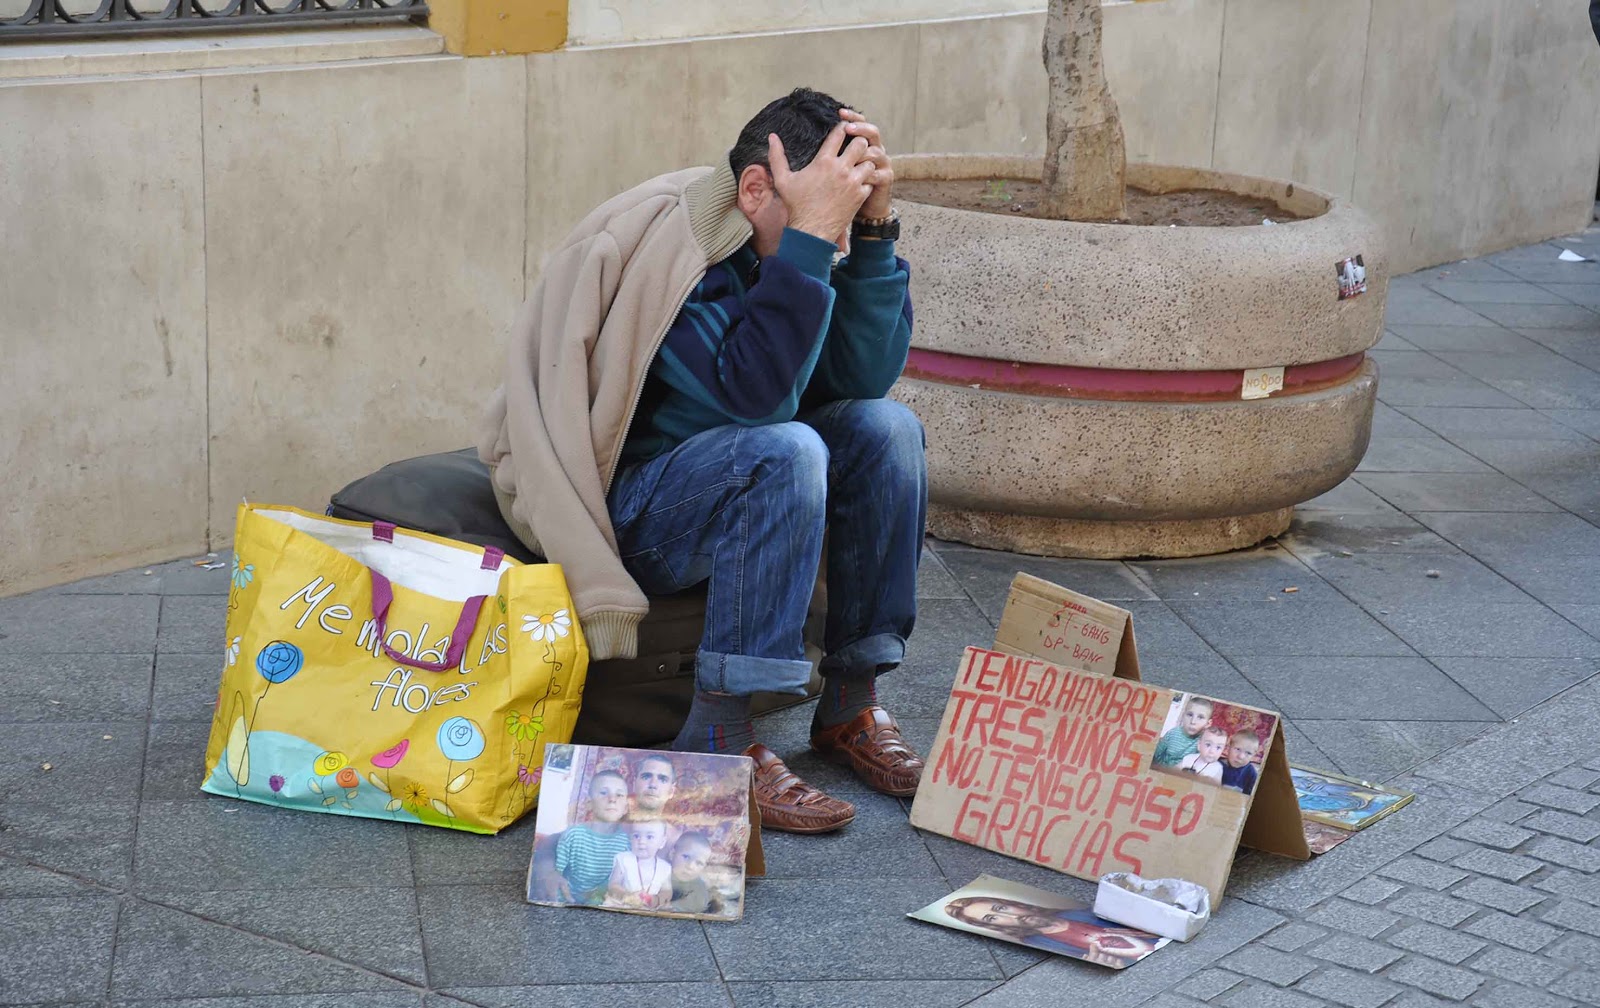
pixel 717 723
pixel 843 697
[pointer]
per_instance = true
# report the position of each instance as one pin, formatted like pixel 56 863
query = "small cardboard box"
pixel 1172 908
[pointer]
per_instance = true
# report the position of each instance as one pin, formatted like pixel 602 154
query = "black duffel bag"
pixel 626 701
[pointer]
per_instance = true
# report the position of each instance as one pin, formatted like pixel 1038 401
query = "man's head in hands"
pixel 808 162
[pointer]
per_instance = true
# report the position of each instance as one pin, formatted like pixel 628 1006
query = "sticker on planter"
pixel 1352 275
pixel 1261 382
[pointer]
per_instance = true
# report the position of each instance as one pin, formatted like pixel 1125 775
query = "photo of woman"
pixel 1038 919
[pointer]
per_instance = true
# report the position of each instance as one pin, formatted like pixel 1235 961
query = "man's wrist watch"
pixel 886 228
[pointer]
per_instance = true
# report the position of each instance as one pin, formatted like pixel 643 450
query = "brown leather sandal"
pixel 788 803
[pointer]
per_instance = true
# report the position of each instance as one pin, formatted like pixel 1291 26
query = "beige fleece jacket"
pixel 579 352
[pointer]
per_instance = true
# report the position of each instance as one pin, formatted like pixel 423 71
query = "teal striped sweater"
pixel 757 343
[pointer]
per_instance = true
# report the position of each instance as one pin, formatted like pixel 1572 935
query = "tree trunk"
pixel 1084 160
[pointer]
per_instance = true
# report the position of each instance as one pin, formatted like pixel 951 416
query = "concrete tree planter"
pixel 1081 384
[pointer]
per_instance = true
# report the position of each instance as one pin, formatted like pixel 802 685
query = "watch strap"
pixel 886 228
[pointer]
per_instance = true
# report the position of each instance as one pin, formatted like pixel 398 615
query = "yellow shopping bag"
pixel 380 672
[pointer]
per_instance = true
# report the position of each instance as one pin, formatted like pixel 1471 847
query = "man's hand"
pixel 824 196
pixel 551 886
pixel 548 883
pixel 856 125
pixel 1112 950
pixel 1104 952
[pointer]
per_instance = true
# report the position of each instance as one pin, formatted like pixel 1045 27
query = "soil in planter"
pixel 1020 197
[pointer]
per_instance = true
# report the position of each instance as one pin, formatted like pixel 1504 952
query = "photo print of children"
pixel 1206 760
pixel 1214 741
pixel 1039 919
pixel 639 877
pixel 642 831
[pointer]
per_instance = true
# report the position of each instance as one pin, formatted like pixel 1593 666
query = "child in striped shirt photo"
pixel 587 852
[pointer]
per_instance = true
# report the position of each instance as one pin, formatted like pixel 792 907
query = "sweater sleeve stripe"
pixel 753 367
pixel 695 314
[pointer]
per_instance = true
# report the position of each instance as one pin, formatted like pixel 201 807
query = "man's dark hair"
pixel 803 118
pixel 658 758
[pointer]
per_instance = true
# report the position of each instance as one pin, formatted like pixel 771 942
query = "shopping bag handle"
pixel 383 597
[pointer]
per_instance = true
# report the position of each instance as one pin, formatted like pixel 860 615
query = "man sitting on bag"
pixel 695 395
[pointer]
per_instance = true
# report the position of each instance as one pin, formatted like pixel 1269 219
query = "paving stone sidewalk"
pixel 1444 636
pixel 1501 910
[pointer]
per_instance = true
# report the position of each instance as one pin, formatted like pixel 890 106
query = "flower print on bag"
pixel 548 628
pixel 348 779
pixel 243 574
pixel 525 727
pixel 387 761
pixel 279 661
pixel 327 763
pixel 391 757
pixel 414 795
pixel 528 777
pixel 460 739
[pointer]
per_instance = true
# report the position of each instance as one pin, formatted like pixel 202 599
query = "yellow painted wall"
pixel 499 27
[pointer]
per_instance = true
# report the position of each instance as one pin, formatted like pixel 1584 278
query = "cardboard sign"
pixel 1045 620
pixel 1087 770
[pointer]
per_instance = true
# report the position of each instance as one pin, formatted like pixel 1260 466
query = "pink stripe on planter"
pixel 1116 383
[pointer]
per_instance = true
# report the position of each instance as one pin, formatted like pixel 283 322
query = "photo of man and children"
pixel 1025 915
pixel 642 831
pixel 1220 743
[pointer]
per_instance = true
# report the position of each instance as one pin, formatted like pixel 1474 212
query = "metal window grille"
pixel 54 19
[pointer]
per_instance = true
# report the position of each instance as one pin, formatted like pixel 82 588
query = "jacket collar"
pixel 712 201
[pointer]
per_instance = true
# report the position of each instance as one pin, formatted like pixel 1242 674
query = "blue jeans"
pixel 745 509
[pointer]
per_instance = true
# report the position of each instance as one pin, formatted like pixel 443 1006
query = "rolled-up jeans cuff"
pixel 742 675
pixel 868 656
